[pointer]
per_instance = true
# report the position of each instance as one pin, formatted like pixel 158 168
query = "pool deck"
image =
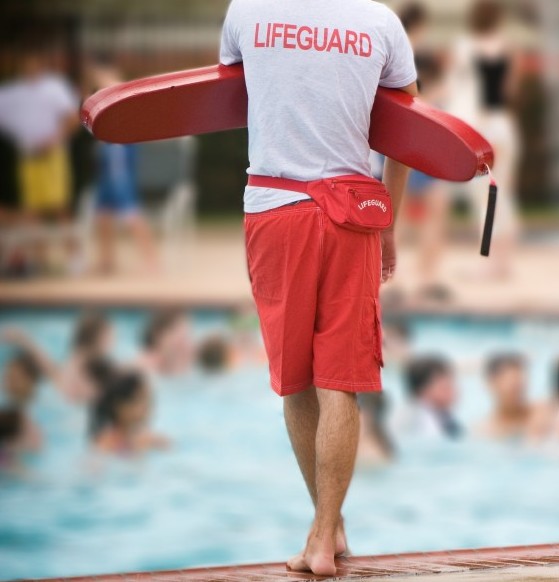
pixel 208 269
pixel 519 564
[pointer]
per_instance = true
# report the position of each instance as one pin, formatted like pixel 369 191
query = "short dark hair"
pixel 420 372
pixel 88 329
pixel 213 353
pixel 28 363
pixel 413 15
pixel 497 363
pixel 158 324
pixel 555 378
pixel 121 388
pixel 486 15
pixel 11 424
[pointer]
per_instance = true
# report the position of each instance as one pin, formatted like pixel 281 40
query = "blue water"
pixel 229 490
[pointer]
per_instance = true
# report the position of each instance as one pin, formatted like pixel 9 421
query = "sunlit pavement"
pixel 208 268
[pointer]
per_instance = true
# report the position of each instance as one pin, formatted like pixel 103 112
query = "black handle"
pixel 489 221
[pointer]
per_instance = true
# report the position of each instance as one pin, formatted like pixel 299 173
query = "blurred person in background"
pixel 19 388
pixel 167 348
pixel 432 391
pixel 483 81
pixel 215 354
pixel 39 112
pixel 427 205
pixel 375 445
pixel 116 192
pixel 120 417
pixel 12 439
pixel 92 339
pixel 396 341
pixel 512 413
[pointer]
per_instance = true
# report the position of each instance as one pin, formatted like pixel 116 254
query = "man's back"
pixel 312 70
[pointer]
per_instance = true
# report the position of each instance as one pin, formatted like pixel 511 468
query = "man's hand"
pixel 388 246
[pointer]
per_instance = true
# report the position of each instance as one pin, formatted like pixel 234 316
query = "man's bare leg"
pixel 337 435
pixel 301 418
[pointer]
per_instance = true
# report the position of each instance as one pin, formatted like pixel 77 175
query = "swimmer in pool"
pixel 93 338
pixel 167 349
pixel 19 386
pixel 513 414
pixel 120 417
pixel 13 441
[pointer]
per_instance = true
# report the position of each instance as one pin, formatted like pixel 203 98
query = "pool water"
pixel 229 490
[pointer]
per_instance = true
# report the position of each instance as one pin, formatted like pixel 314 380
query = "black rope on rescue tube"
pixel 489 217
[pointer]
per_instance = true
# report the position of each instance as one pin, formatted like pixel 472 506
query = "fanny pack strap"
pixel 278 184
pixel 490 215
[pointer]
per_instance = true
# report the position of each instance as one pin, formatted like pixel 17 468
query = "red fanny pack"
pixel 354 202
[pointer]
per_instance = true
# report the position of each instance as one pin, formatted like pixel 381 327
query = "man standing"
pixel 312 71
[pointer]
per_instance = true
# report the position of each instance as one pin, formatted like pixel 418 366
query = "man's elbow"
pixel 412 89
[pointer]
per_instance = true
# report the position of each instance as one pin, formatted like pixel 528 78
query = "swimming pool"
pixel 229 490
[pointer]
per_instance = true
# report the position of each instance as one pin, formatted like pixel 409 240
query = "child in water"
pixel 92 339
pixel 19 385
pixel 12 439
pixel 120 417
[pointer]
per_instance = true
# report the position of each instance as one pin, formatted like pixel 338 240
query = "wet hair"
pixel 158 324
pixel 89 329
pixel 213 354
pixel 421 372
pixel 486 16
pixel 497 363
pixel 28 363
pixel 555 379
pixel 120 389
pixel 413 15
pixel 101 370
pixel 11 424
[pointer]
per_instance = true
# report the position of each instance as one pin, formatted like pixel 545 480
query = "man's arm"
pixel 395 177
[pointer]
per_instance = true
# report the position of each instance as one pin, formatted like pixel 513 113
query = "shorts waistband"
pixel 278 183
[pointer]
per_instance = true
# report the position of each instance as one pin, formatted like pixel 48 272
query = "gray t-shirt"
pixel 312 70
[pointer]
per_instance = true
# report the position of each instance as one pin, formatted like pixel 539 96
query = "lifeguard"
pixel 306 38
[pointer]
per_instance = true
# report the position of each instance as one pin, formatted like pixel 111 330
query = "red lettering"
pixel 365 39
pixel 268 35
pixel 290 36
pixel 276 33
pixel 320 48
pixel 335 41
pixel 258 44
pixel 305 44
pixel 351 39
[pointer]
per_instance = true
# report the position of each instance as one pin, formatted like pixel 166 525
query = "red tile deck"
pixel 357 568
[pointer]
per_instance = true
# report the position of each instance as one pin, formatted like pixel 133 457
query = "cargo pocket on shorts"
pixel 265 257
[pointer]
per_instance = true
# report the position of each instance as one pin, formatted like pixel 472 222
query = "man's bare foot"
pixel 317 558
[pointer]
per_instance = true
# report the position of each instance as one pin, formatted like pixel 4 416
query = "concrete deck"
pixel 521 564
pixel 209 269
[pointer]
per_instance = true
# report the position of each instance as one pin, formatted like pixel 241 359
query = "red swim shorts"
pixel 316 288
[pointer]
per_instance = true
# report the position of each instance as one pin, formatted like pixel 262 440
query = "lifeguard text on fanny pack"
pixel 307 38
pixel 378 203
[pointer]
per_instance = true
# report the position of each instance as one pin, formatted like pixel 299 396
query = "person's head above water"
pixel 214 354
pixel 506 376
pixel 11 426
pixel 21 376
pixel 93 335
pixel 123 404
pixel 431 380
pixel 166 334
pixel 486 16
